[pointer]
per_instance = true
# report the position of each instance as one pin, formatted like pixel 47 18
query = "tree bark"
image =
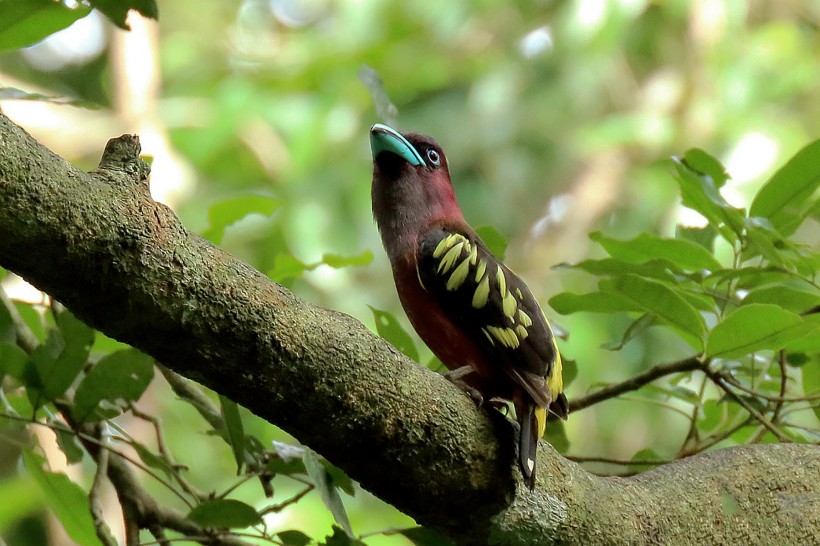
pixel 123 263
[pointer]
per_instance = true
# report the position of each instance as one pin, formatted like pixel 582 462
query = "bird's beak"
pixel 385 139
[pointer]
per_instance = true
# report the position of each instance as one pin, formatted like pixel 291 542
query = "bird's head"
pixel 411 185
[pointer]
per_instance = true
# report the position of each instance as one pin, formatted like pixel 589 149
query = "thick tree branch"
pixel 125 265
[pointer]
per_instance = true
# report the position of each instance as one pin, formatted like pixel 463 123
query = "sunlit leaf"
pixel 756 327
pixel 700 193
pixel 25 23
pixel 229 211
pixel 117 377
pixel 702 162
pixel 336 261
pixel 286 266
pixel 594 302
pixel 66 499
pixel 224 514
pixel 785 296
pixel 646 246
pixel 660 300
pixel 789 194
pixel 389 328
pixel 494 240
pixel 659 269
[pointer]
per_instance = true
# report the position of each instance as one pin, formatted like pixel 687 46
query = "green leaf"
pixel 66 499
pixel 808 344
pixel 646 246
pixel 153 460
pixel 236 431
pixel 341 538
pixel 788 196
pixel 594 302
pixel 288 459
pixel 702 162
pixel 293 537
pixel 338 478
pixel 56 375
pixel 494 240
pixel 659 269
pixel 704 236
pixel 285 267
pixel 660 300
pixel 337 262
pixel 811 384
pixel 117 10
pixel 763 240
pixel 13 360
pixel 389 328
pixel 26 23
pixel 224 514
pixel 68 443
pixel 785 296
pixel 645 454
pixel 570 371
pixel 328 493
pixel 120 376
pixel 225 213
pixel 26 501
pixel 556 435
pixel 637 327
pixel 756 327
pixel 700 193
pixel 8 333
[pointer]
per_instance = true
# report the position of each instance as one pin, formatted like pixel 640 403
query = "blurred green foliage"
pixel 557 119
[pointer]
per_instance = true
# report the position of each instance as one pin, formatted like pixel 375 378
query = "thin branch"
pixel 163 450
pixel 720 382
pixel 97 517
pixel 622 462
pixel 636 382
pixel 284 504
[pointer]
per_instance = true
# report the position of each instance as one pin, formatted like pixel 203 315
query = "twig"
pixel 607 460
pixel 635 383
pixel 97 517
pixel 720 382
pixel 163 449
pixel 282 505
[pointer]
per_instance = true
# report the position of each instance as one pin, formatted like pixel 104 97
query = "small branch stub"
pixel 121 162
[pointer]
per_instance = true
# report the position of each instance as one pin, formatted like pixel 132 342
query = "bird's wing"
pixel 493 307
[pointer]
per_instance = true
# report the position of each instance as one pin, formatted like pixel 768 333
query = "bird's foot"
pixel 456 377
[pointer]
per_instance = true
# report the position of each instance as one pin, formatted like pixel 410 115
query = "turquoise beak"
pixel 385 139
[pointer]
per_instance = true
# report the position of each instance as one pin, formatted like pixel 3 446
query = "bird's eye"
pixel 433 157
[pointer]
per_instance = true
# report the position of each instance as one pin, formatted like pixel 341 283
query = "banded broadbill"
pixel 474 313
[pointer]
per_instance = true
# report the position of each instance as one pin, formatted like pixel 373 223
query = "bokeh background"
pixel 556 118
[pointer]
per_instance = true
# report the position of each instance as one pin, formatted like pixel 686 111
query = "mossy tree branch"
pixel 123 263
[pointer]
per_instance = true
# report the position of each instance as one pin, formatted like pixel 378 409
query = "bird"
pixel 477 316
